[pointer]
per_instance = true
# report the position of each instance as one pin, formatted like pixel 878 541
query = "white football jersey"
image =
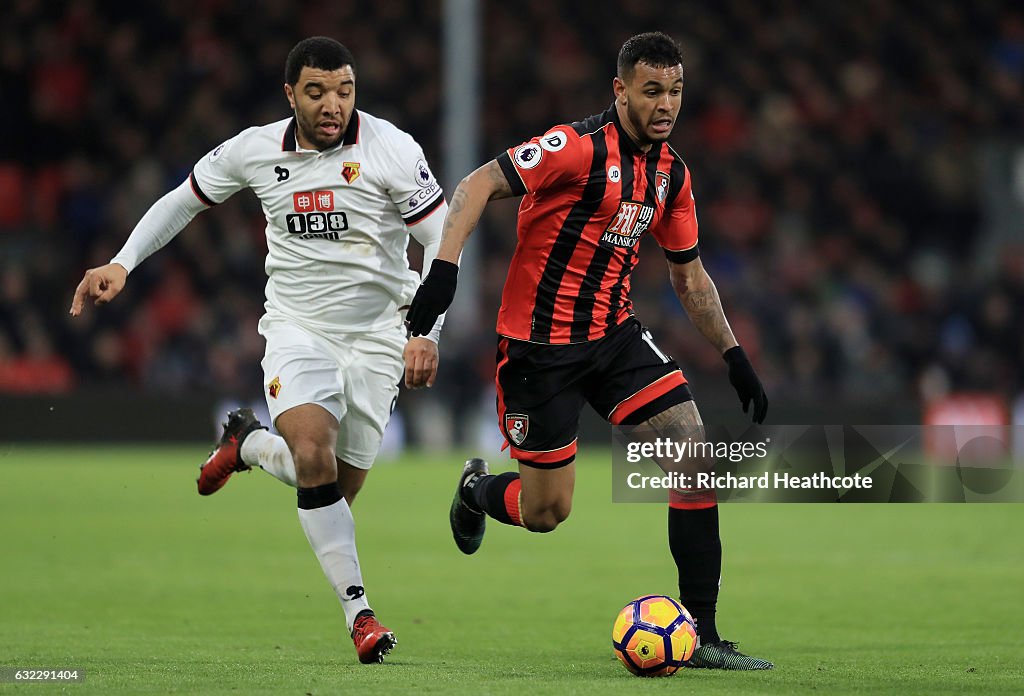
pixel 336 220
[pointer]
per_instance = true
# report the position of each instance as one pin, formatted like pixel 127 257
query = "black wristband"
pixel 735 355
pixel 444 270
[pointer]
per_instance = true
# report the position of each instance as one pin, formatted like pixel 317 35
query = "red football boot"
pixel 224 460
pixel 373 641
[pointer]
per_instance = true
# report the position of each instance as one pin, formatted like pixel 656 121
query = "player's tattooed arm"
pixel 487 183
pixel 699 297
pixel 499 184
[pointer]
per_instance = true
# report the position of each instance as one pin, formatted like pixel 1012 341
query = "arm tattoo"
pixel 468 202
pixel 704 307
pixel 454 220
pixel 464 212
pixel 458 201
pixel 498 180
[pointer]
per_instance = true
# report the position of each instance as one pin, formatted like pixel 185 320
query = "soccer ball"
pixel 654 636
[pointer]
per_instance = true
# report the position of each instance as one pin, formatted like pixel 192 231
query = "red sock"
pixel 692 499
pixel 498 496
pixel 512 502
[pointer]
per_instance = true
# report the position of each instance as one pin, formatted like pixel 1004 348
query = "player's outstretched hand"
pixel 102 284
pixel 744 380
pixel 420 363
pixel 434 296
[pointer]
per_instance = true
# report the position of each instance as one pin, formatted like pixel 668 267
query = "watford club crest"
pixel 350 171
pixel 517 425
pixel 274 388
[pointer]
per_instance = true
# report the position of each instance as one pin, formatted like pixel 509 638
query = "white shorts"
pixel 355 377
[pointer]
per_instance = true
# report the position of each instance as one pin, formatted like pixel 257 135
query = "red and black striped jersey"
pixel 590 196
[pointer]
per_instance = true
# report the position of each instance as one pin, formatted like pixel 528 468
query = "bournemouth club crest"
pixel 517 425
pixel 661 182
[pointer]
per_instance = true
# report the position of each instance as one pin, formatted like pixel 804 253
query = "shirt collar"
pixel 351 137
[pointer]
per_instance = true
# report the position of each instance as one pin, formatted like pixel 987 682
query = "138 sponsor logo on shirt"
pixel 315 216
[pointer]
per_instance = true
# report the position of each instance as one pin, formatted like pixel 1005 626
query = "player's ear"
pixel 619 88
pixel 288 92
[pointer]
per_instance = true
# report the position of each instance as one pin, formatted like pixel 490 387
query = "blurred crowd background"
pixel 858 170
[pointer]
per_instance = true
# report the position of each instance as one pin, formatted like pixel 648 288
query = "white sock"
pixel 270 453
pixel 332 534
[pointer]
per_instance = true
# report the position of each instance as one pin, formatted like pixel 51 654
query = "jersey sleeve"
pixel 677 231
pixel 555 158
pixel 412 186
pixel 164 219
pixel 219 174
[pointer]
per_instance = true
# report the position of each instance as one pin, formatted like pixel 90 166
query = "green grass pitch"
pixel 112 563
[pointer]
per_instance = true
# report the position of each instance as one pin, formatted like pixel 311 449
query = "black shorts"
pixel 542 389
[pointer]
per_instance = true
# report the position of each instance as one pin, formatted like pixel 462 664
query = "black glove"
pixel 744 380
pixel 432 299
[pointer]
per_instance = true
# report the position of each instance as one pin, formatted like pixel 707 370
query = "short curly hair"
pixel 320 52
pixel 652 48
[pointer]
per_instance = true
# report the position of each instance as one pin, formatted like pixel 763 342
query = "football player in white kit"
pixel 341 191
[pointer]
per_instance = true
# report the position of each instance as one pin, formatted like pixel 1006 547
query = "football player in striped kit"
pixel 567 333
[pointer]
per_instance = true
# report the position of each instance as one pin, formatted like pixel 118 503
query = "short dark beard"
pixel 641 131
pixel 314 138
